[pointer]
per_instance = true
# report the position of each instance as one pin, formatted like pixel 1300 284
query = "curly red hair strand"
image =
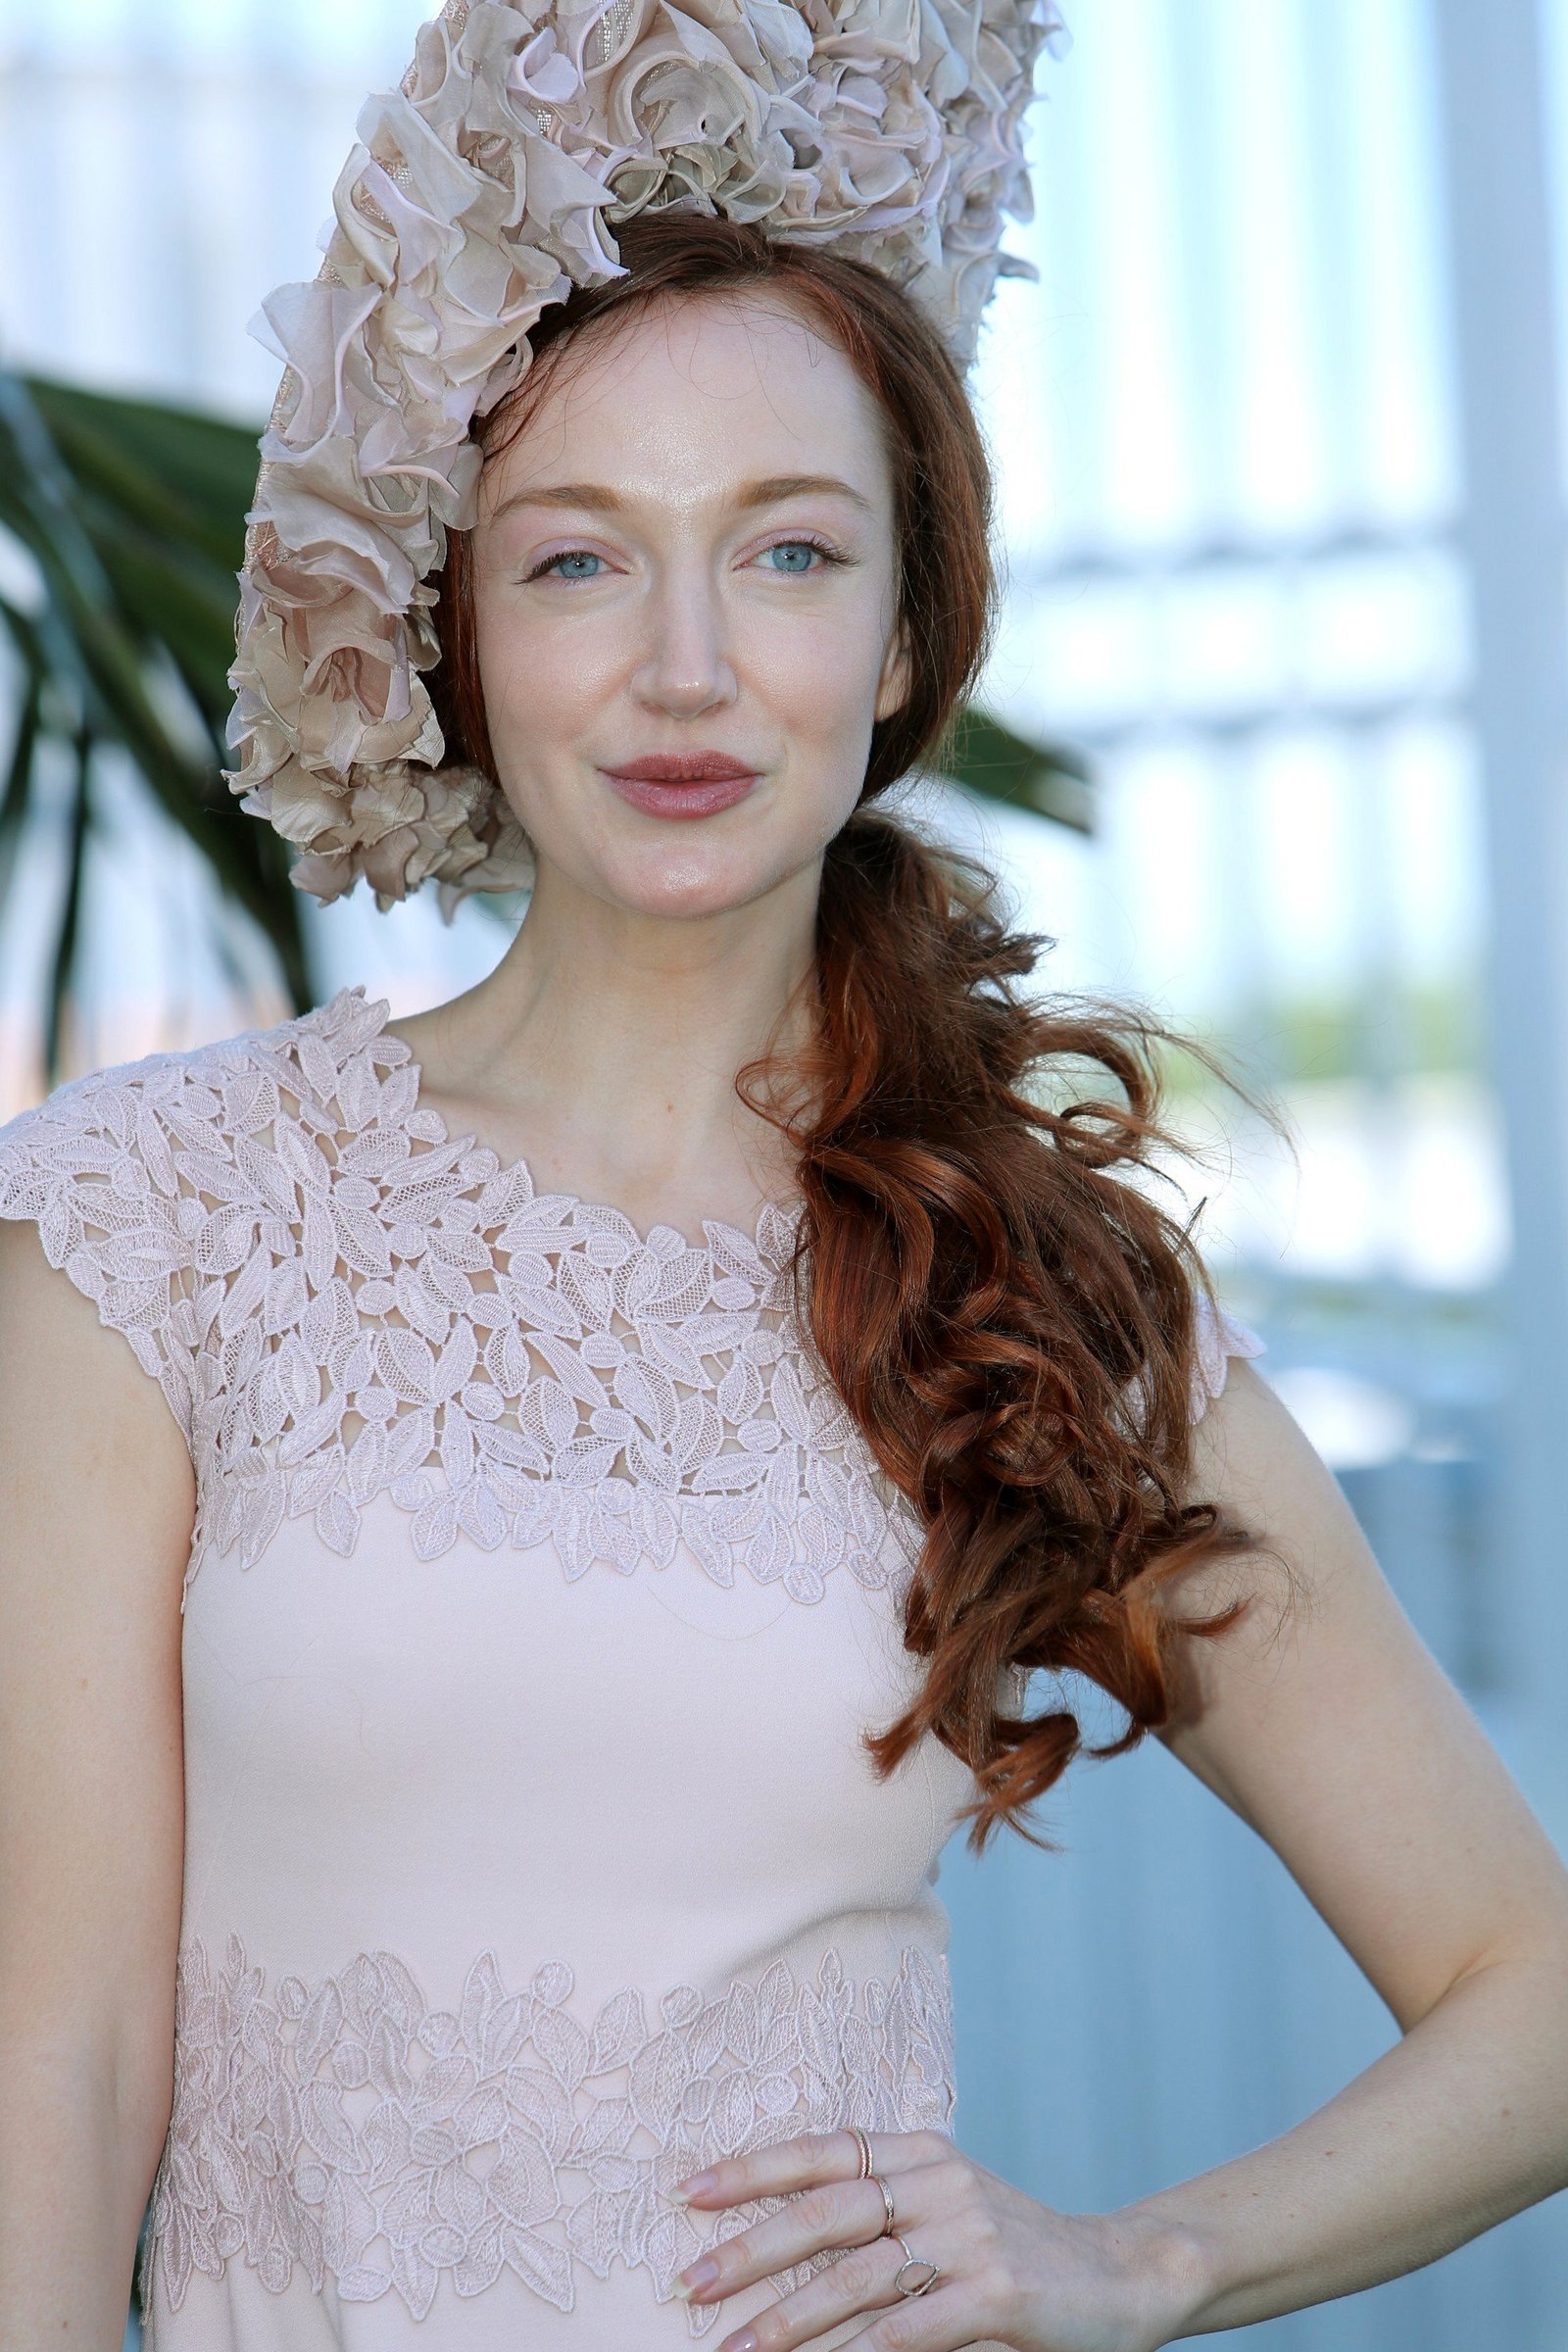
pixel 1011 1322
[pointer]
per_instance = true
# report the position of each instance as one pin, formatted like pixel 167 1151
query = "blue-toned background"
pixel 1281 432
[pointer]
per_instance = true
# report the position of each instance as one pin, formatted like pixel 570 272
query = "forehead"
pixel 689 395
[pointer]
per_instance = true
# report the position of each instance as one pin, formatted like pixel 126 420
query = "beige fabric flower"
pixel 487 186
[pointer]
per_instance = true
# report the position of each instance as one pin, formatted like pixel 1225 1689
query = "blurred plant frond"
pixel 130 515
pixel 989 760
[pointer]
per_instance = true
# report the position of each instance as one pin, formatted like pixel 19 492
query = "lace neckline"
pixel 427 1122
pixel 343 1302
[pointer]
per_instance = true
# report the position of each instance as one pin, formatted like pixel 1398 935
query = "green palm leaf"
pixel 133 516
pixel 1050 780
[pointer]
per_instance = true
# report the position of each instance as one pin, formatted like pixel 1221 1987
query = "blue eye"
pixel 803 548
pixel 567 555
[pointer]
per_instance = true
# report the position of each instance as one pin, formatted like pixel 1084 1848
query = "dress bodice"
pixel 540 1593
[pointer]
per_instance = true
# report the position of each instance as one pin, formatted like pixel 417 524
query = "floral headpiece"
pixel 486 187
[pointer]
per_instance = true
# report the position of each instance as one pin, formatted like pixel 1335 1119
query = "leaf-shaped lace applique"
pixel 391 1312
pixel 353 2130
pixel 342 1303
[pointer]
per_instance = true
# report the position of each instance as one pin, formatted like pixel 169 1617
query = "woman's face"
pixel 686 560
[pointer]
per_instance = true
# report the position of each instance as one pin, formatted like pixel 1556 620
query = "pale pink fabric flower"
pixel 487 186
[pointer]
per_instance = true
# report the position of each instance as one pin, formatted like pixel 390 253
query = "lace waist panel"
pixel 383 2144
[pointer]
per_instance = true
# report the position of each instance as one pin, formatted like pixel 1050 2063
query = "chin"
pixel 683 888
pixel 693 902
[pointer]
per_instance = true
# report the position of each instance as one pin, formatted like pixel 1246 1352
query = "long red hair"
pixel 1009 1321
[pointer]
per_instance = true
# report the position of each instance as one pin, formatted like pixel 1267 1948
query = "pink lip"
pixel 681 767
pixel 682 784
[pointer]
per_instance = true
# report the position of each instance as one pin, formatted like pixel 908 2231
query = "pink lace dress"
pixel 539 1592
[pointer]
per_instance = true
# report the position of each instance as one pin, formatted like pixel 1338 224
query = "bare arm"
pixel 1332 1730
pixel 96 1510
pixel 1335 1735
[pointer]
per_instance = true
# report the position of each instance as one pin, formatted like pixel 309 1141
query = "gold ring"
pixel 915 2262
pixel 864 2146
pixel 888 2228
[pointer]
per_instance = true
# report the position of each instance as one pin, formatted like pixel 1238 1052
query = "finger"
pixel 840 2213
pixel 949 2319
pixel 805 2162
pixel 861 2280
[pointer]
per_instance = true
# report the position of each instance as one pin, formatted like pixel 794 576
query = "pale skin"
pixel 633 597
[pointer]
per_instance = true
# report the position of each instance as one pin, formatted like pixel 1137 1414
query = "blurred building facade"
pixel 1280 432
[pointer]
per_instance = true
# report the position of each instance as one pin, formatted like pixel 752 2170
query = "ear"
pixel 892 686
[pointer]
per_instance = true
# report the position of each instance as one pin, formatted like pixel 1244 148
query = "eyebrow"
pixel 599 498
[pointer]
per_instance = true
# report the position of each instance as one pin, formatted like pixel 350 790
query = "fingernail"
pixel 701 2273
pixel 697 2186
pixel 746 2341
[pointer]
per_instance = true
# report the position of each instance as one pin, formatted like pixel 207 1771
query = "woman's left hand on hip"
pixel 1006 2269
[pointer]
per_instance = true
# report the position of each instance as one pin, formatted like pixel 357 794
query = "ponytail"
pixel 987 1292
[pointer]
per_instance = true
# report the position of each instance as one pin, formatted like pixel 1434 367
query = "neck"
pixel 605 1043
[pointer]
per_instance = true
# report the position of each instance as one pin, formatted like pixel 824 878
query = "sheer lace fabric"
pixel 353 2130
pixel 341 1301
pixel 540 1593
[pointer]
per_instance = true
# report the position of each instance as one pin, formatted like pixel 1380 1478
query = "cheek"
pixel 817 674
pixel 539 695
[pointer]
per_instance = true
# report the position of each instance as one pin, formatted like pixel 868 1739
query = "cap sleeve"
pixel 1219 1337
pixel 93 1167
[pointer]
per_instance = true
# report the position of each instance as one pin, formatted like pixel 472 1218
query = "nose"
pixel 685 668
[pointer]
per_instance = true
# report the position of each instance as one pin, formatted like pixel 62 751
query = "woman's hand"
pixel 1007 2268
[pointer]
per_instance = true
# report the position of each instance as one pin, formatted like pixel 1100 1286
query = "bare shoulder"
pixel 73 1397
pixel 1324 1721
pixel 1318 1605
pixel 1251 1456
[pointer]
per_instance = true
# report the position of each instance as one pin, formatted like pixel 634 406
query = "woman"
pixel 589 1634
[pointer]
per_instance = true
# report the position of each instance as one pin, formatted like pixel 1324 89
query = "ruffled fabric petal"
pixel 1219 1335
pixel 484 188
